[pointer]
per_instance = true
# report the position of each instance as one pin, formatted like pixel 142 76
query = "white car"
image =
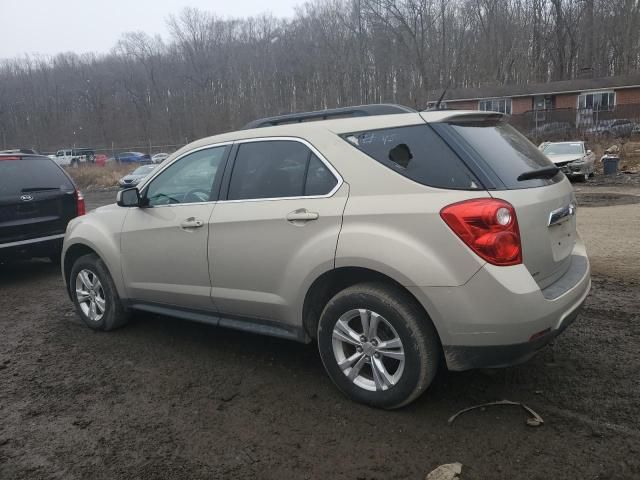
pixel 573 158
pixel 68 157
pixel 159 157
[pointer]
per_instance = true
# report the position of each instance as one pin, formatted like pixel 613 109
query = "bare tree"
pixel 213 75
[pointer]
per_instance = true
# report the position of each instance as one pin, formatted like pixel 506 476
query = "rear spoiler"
pixel 461 116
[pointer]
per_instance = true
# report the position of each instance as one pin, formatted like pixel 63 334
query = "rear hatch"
pixel 545 207
pixel 37 199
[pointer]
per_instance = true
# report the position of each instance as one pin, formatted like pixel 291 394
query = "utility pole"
pixel 587 65
pixel 443 68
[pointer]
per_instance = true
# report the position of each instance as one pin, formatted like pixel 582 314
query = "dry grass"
pixel 92 177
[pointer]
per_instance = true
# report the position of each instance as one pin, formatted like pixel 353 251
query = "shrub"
pixel 92 177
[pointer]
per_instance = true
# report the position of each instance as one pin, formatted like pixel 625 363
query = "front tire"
pixel 377 345
pixel 95 296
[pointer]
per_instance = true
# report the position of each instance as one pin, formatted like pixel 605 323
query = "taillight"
pixel 9 158
pixel 80 207
pixel 489 227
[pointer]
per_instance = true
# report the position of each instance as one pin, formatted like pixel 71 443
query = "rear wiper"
pixel 38 189
pixel 546 172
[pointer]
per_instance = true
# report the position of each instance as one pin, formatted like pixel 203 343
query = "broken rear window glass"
pixel 418 153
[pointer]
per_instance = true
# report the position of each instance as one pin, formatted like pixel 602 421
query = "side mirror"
pixel 129 197
pixel 589 152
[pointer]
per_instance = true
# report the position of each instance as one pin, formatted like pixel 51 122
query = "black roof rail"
pixel 359 111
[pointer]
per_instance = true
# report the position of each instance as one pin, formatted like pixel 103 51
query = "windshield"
pixel 563 149
pixel 143 170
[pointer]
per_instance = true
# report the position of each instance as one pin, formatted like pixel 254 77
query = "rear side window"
pixel 31 175
pixel 320 180
pixel 418 153
pixel 278 169
pixel 506 151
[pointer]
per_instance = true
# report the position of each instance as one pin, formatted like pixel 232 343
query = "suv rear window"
pixel 31 174
pixel 418 153
pixel 506 151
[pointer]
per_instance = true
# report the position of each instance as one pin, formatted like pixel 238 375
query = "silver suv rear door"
pixel 276 229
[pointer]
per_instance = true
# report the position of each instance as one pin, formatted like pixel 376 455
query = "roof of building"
pixel 562 86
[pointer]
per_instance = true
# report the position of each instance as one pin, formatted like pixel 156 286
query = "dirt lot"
pixel 165 398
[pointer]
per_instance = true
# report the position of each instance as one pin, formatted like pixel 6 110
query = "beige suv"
pixel 398 240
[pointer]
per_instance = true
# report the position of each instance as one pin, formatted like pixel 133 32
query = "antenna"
pixel 444 92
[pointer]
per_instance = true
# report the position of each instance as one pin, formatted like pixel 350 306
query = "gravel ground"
pixel 164 398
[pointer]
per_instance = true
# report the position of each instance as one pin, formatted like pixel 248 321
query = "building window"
pixel 597 101
pixel 502 105
pixel 543 102
pixel 432 105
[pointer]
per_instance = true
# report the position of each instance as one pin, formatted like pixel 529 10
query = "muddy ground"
pixel 164 398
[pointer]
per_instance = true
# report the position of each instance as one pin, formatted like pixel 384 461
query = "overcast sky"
pixel 54 26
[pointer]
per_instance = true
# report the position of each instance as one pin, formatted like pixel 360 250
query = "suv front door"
pixel 276 228
pixel 164 244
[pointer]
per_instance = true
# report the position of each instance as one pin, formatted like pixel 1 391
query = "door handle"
pixel 302 215
pixel 191 222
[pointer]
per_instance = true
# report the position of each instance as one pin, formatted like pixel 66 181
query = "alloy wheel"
pixel 90 295
pixel 368 350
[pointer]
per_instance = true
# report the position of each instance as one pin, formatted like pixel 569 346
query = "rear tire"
pixel 95 296
pixel 386 367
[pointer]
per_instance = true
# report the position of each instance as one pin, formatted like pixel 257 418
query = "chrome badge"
pixel 561 214
pixel 26 198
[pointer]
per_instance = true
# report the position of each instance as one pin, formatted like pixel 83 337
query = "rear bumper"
pixel 33 247
pixel 501 317
pixel 466 357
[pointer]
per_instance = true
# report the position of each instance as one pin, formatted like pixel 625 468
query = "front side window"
pixel 502 105
pixel 278 169
pixel 189 180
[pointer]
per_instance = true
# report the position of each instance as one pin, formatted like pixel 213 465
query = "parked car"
pixel 393 238
pixel 73 156
pixel 132 157
pixel 573 158
pixel 37 200
pixel 615 128
pixel 101 160
pixel 28 151
pixel 135 177
pixel 88 153
pixel 159 157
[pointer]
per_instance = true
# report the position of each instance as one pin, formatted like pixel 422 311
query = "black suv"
pixel 37 200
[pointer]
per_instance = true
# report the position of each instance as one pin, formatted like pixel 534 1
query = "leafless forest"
pixel 211 75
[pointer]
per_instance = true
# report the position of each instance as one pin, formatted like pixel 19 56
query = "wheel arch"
pixel 329 283
pixel 77 250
